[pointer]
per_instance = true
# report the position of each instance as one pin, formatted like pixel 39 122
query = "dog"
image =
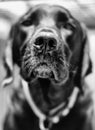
pixel 46 61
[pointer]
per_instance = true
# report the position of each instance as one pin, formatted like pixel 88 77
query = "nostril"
pixel 39 41
pixel 52 43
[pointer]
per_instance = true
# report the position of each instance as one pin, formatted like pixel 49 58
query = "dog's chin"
pixel 44 71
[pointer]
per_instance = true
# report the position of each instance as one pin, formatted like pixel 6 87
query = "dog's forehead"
pixel 51 11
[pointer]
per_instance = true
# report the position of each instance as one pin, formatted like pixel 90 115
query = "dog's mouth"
pixel 43 71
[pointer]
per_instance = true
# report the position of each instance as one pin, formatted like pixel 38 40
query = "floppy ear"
pixel 8 58
pixel 85 65
pixel 8 64
pixel 12 53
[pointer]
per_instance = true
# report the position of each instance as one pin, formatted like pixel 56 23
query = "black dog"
pixel 48 48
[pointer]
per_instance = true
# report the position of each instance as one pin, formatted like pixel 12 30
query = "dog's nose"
pixel 47 43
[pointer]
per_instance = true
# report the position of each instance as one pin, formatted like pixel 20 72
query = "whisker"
pixel 26 57
pixel 30 70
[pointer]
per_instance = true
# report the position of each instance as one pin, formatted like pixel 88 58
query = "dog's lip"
pixel 46 71
pixel 43 70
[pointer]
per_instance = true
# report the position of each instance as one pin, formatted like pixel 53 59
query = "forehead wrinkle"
pixel 52 10
pixel 49 9
pixel 44 10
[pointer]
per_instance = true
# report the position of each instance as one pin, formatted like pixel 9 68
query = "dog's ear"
pixel 85 65
pixel 8 60
pixel 12 52
pixel 8 64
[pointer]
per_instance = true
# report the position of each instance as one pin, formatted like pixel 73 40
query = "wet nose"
pixel 48 43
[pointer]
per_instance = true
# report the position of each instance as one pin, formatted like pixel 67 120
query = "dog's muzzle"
pixel 45 46
pixel 44 58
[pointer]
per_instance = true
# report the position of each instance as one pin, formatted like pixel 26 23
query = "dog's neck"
pixel 45 122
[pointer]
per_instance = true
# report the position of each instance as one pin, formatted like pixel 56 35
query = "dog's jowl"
pixel 47 46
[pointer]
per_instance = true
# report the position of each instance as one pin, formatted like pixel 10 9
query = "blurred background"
pixel 10 11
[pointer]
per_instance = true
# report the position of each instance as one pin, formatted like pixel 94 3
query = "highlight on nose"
pixel 49 43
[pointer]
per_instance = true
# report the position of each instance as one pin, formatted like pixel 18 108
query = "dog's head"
pixel 47 44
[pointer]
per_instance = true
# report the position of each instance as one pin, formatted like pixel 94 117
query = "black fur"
pixel 62 62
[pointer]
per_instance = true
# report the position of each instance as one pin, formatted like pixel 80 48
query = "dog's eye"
pixel 61 19
pixel 30 20
pixel 26 22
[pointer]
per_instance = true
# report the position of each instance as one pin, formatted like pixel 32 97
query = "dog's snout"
pixel 48 43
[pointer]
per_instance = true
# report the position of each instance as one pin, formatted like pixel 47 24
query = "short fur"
pixel 69 62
